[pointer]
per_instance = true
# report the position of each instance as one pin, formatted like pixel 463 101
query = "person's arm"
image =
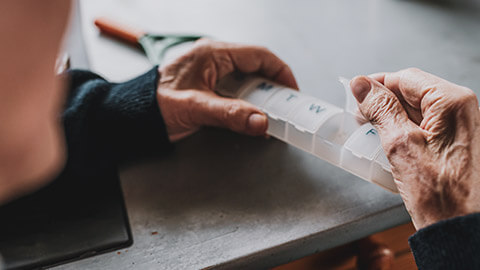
pixel 430 131
pixel 112 122
pixel 448 244
pixel 32 148
pixel 108 123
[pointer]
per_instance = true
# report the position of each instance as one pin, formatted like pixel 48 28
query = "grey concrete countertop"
pixel 229 201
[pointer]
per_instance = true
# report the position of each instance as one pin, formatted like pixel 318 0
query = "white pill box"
pixel 331 133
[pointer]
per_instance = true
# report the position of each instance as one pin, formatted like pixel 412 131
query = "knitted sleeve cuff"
pixel 449 244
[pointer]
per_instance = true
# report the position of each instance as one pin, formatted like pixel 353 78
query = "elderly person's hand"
pixel 429 129
pixel 185 93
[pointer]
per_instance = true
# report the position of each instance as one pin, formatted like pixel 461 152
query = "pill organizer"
pixel 334 134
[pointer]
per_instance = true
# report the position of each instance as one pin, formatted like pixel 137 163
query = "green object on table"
pixel 156 46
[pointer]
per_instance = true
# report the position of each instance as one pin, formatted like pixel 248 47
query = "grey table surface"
pixel 224 200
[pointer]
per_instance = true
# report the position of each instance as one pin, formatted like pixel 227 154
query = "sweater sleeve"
pixel 448 244
pixel 108 123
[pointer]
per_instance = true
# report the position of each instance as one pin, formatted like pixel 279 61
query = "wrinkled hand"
pixel 185 92
pixel 430 130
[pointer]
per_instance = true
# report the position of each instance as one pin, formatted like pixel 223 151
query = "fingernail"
pixel 360 88
pixel 257 122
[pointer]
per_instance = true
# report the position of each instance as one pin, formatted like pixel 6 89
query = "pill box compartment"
pixel 257 91
pixel 382 160
pixel 381 172
pixel 278 107
pixel 305 121
pixel 382 177
pixel 360 150
pixel 276 127
pixel 331 136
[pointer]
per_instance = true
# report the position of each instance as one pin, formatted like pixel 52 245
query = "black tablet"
pixel 70 219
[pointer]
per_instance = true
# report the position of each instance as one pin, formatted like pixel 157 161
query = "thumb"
pixel 383 109
pixel 379 105
pixel 237 115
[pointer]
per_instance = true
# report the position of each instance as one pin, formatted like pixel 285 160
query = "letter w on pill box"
pixel 331 133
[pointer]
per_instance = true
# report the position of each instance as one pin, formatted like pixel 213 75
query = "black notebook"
pixel 70 219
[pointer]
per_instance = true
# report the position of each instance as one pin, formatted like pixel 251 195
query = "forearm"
pixel 113 123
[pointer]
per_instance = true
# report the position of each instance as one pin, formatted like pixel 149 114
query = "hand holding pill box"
pixel 331 133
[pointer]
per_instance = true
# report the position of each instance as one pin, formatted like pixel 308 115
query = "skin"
pixel 429 128
pixel 31 140
pixel 186 88
pixel 32 149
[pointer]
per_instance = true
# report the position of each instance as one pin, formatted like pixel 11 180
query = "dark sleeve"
pixel 109 123
pixel 448 244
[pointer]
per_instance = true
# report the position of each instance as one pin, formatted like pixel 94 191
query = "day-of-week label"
pixel 371 131
pixel 291 97
pixel 264 86
pixel 316 108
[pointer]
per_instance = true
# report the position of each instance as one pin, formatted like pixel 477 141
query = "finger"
pixel 445 110
pixel 421 89
pixel 255 59
pixel 378 104
pixel 251 59
pixel 380 76
pixel 211 110
pixel 382 108
pixel 413 113
pixel 411 83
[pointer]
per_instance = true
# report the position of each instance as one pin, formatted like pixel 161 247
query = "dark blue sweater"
pixel 449 244
pixel 107 123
